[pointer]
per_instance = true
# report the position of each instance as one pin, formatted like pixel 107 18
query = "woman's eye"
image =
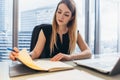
pixel 59 12
pixel 66 15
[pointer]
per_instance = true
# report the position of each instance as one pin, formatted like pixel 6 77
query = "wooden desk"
pixel 106 77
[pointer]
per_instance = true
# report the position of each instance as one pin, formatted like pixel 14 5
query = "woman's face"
pixel 63 15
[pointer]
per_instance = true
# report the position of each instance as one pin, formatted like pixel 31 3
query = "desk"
pixel 106 77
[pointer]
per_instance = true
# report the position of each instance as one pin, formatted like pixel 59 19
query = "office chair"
pixel 35 34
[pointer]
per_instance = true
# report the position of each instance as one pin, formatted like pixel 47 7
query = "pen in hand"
pixel 11 49
pixel 12 54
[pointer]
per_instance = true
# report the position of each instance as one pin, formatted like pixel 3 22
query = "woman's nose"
pixel 62 16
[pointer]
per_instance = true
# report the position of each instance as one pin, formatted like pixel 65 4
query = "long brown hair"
pixel 71 26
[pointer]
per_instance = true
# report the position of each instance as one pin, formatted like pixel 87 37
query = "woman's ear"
pixel 72 18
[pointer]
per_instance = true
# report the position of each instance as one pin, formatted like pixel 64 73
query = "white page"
pixel 47 64
pixel 67 75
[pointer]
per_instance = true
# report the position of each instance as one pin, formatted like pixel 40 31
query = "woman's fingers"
pixel 14 53
pixel 12 57
pixel 58 57
pixel 61 56
pixel 16 49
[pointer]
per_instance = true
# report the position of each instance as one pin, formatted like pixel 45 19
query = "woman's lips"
pixel 60 20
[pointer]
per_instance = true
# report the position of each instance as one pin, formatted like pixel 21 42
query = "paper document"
pixel 67 75
pixel 42 65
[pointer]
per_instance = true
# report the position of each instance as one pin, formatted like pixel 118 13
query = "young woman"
pixel 58 42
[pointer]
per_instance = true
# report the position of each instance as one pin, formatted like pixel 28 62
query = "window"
pixel 5 28
pixel 92 24
pixel 105 26
pixel 80 5
pixel 109 26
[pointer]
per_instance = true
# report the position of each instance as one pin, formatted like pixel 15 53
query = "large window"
pixel 5 28
pixel 104 23
pixel 109 26
pixel 105 26
pixel 80 5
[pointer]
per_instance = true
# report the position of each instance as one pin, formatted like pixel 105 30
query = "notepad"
pixel 67 75
pixel 42 65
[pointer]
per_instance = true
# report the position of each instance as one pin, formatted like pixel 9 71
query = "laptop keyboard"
pixel 102 65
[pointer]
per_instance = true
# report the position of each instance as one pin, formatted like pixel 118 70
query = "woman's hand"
pixel 14 53
pixel 61 56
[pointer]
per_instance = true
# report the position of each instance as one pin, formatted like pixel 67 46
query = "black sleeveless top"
pixel 61 47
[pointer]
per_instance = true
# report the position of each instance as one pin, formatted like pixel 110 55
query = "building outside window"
pixel 109 26
pixel 5 28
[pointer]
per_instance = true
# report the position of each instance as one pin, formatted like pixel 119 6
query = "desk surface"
pixel 106 77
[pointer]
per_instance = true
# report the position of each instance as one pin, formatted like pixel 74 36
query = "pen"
pixel 11 49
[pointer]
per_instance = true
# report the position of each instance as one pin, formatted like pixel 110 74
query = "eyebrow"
pixel 65 11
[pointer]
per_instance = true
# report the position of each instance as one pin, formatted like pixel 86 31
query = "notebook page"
pixel 43 65
pixel 25 58
pixel 52 65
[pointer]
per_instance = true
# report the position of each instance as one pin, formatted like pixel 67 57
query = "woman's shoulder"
pixel 47 29
pixel 46 26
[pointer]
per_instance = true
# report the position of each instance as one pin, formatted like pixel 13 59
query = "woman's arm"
pixel 39 46
pixel 85 50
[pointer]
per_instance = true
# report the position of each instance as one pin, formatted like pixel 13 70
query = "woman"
pixel 58 42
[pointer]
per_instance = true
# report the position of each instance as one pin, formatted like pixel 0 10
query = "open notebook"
pixel 107 65
pixel 42 65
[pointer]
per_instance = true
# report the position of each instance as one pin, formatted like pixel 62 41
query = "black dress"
pixel 61 47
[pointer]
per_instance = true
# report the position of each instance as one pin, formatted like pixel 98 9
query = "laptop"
pixel 107 65
pixel 4 71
